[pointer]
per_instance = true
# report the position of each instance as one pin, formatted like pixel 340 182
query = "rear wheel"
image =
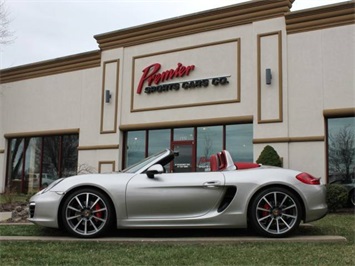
pixel 87 213
pixel 275 212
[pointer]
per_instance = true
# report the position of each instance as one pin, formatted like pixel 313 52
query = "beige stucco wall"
pixel 206 63
pixel 321 67
pixel 47 103
pixel 312 71
pixel 178 49
pixel 321 77
pixel 2 144
pixel 56 103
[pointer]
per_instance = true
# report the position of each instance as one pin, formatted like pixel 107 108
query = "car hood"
pixel 98 180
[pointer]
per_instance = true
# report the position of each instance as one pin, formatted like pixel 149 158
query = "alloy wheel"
pixel 86 213
pixel 276 212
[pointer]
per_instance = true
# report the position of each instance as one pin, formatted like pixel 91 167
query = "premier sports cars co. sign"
pixel 158 82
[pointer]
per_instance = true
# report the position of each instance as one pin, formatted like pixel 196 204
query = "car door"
pixel 173 195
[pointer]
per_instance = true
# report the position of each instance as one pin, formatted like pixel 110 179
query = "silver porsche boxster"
pixel 272 201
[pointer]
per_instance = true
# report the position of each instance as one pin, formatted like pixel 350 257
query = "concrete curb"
pixel 177 240
pixel 192 240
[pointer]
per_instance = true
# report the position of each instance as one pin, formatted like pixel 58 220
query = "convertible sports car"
pixel 271 200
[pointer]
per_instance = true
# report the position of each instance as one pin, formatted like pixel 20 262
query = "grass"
pixel 110 253
pixel 10 197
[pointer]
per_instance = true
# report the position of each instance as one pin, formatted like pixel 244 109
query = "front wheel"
pixel 275 212
pixel 87 213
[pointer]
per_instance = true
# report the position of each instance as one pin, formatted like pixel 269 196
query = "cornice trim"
pixel 51 67
pixel 341 112
pixel 98 147
pixel 42 133
pixel 289 139
pixel 224 17
pixel 188 123
pixel 320 17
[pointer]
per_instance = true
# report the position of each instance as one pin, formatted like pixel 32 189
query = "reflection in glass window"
pixel 239 142
pixel 341 150
pixel 158 140
pixel 35 162
pixel 135 147
pixel 69 155
pixel 15 164
pixel 51 156
pixel 209 141
pixel 183 134
pixel 238 139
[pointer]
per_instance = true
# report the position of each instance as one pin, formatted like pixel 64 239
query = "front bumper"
pixel 44 209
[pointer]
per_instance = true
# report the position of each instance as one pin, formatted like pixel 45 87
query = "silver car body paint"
pixel 179 199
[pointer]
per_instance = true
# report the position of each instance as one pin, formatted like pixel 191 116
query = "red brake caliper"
pixel 267 207
pixel 98 214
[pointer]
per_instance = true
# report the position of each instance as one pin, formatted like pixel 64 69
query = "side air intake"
pixel 227 199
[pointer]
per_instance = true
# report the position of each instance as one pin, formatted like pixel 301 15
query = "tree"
pixel 6 36
pixel 269 157
pixel 341 151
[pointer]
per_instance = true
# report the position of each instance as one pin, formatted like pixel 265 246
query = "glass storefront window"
pixel 183 134
pixel 209 141
pixel 158 140
pixel 51 156
pixel 69 155
pixel 135 147
pixel 239 142
pixel 15 164
pixel 195 152
pixel 35 162
pixel 341 150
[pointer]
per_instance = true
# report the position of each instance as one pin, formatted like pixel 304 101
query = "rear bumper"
pixel 317 207
pixel 316 214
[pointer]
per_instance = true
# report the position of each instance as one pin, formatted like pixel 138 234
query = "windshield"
pixel 135 167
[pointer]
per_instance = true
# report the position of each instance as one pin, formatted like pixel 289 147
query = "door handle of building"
pixel 212 184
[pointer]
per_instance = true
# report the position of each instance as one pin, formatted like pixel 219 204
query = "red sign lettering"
pixel 151 74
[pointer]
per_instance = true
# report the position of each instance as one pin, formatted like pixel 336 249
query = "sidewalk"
pixel 5 215
pixel 180 240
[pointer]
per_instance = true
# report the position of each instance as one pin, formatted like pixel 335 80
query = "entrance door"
pixel 185 162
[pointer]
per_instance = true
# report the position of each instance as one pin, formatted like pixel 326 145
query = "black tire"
pixel 275 212
pixel 87 213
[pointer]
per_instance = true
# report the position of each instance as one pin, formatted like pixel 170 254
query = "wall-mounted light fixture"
pixel 107 96
pixel 268 76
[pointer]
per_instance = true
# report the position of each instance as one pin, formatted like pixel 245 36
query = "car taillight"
pixel 308 179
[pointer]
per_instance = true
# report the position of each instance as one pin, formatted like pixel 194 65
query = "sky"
pixel 48 29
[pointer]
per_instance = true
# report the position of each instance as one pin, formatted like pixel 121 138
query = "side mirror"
pixel 155 169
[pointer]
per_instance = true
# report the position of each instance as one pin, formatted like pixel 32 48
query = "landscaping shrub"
pixel 269 157
pixel 337 197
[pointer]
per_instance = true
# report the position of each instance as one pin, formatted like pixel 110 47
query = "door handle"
pixel 212 184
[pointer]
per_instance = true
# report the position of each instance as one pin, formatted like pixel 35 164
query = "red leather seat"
pixel 222 161
pixel 245 165
pixel 214 164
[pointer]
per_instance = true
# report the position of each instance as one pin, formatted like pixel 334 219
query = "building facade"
pixel 238 78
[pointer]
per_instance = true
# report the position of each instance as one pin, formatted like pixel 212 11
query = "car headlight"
pixel 51 185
